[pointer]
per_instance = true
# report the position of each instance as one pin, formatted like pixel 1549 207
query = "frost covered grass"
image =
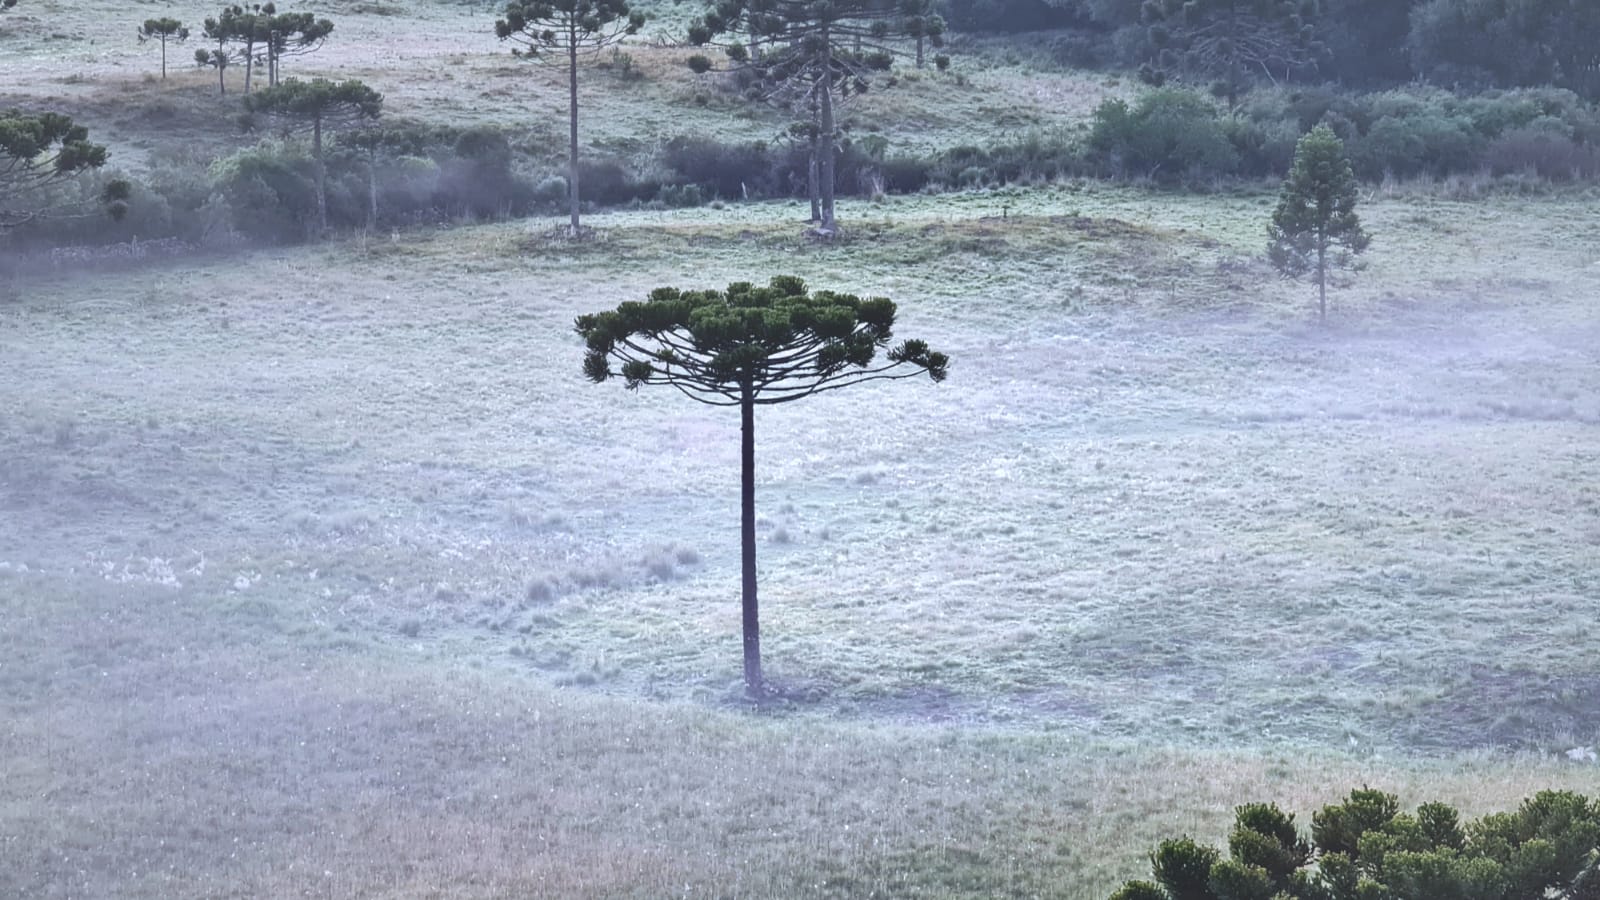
pixel 171 744
pixel 359 496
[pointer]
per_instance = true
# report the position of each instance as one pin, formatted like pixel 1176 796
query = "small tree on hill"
pixel 811 56
pixel 292 34
pixel 39 149
pixel 163 30
pixel 216 59
pixel 751 346
pixel 246 26
pixel 567 29
pixel 1316 214
pixel 318 104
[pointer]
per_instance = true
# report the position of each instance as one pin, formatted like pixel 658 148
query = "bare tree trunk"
pixel 249 63
pixel 1322 282
pixel 813 183
pixel 163 57
pixel 825 170
pixel 372 191
pixel 322 177
pixel 572 106
pixel 747 533
pixel 919 51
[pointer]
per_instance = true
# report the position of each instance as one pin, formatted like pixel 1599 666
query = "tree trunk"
pixel 249 63
pixel 919 51
pixel 825 170
pixel 322 177
pixel 747 497
pixel 813 184
pixel 572 113
pixel 1322 282
pixel 163 57
pixel 372 191
pixel 222 83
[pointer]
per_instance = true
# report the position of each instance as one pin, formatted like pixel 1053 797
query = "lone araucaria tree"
pixel 567 29
pixel 163 30
pixel 751 346
pixel 1316 214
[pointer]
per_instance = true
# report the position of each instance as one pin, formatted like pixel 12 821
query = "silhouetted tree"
pixel 1522 44
pixel 751 346
pixel 567 29
pixel 1316 213
pixel 216 59
pixel 318 104
pixel 246 26
pixel 292 34
pixel 1230 40
pixel 163 30
pixel 38 149
pixel 808 56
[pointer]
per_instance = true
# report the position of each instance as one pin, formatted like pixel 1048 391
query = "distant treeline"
pixel 1461 44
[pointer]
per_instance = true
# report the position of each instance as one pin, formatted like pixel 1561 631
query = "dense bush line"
pixel 408 173
pixel 1470 44
pixel 1367 849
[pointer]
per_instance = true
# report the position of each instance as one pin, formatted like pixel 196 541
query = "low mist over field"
pixel 326 571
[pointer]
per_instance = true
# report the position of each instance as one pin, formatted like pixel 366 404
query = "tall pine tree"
pixel 1315 227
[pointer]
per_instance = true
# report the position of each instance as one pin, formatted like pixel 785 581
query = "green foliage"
pixel 318 102
pixel 1139 890
pixel 1338 828
pixel 781 341
pixel 1232 879
pixel 163 31
pixel 271 191
pixel 540 27
pixel 1169 135
pixel 1550 847
pixel 1183 868
pixel 1315 215
pixel 38 149
pixel 1265 837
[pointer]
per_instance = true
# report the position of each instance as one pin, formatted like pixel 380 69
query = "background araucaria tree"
pixel 1315 227
pixel 808 56
pixel 163 30
pixel 318 104
pixel 39 149
pixel 751 346
pixel 567 29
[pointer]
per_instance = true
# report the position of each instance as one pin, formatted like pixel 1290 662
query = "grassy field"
pixel 324 572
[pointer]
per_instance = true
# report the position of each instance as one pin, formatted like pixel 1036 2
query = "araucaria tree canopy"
pixel 750 346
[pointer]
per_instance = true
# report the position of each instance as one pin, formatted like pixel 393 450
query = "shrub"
pixel 1170 135
pixel 723 170
pixel 1368 849
pixel 270 189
